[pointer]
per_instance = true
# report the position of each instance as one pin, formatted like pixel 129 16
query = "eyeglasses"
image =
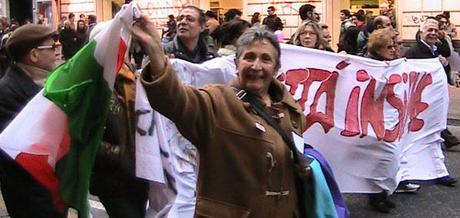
pixel 391 46
pixel 53 46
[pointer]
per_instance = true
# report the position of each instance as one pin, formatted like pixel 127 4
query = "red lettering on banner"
pixel 396 132
pixel 367 110
pixel 416 106
pixel 351 114
pixel 327 87
pixel 372 112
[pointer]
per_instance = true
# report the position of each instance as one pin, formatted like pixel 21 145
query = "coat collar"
pixel 22 80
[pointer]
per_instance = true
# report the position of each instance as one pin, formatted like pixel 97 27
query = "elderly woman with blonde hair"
pixel 310 35
pixel 381 45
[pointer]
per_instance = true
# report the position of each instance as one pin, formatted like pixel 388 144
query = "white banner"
pixel 376 122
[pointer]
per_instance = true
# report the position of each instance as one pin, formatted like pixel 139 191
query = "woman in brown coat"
pixel 246 168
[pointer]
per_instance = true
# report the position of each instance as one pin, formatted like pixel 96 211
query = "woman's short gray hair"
pixel 258 33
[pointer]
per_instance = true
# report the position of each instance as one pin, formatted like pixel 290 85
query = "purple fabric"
pixel 340 206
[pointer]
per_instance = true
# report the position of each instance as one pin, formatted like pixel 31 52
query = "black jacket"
pixel 201 53
pixel 16 89
pixel 420 51
pixel 273 23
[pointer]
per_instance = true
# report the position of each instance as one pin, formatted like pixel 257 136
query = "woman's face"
pixel 308 37
pixel 257 66
pixel 388 51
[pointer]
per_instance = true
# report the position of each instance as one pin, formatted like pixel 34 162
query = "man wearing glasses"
pixel 32 50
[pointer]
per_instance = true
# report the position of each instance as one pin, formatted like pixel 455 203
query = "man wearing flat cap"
pixel 32 50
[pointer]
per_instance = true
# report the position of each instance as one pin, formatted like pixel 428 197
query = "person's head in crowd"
pixel 191 22
pixel 369 16
pixel 307 12
pixel 326 33
pixel 344 14
pixel 381 22
pixel 271 10
pixel 317 17
pixel 309 35
pixel 255 18
pixel 399 45
pixel 34 45
pixel 257 50
pixel 429 31
pixel 443 21
pixel 82 17
pixel 71 17
pixel 230 32
pixel 381 44
pixel 212 21
pixel 349 44
pixel 81 25
pixel 231 14
pixel 361 12
pixel 171 17
pixel 358 19
pixel 92 19
pixel 3 23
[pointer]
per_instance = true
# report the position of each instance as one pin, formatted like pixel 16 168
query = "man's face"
pixel 442 24
pixel 188 25
pixel 270 11
pixel 386 22
pixel 429 32
pixel 46 55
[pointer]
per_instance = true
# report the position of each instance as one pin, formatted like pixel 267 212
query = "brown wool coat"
pixel 240 164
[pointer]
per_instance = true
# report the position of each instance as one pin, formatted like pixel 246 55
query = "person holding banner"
pixel 380 46
pixel 430 46
pixel 246 167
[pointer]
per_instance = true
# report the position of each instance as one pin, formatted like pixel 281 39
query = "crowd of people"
pixel 212 116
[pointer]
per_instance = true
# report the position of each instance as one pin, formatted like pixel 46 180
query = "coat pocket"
pixel 218 209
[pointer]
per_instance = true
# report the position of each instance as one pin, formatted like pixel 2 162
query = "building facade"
pixel 408 13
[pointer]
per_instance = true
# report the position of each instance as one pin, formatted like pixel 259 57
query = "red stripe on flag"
pixel 39 168
pixel 121 54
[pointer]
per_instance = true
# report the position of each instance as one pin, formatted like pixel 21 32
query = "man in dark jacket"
pixel 430 46
pixel 190 42
pixel 32 49
pixel 272 21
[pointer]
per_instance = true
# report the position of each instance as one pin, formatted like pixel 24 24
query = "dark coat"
pixel 420 51
pixel 16 90
pixel 70 45
pixel 23 195
pixel 242 159
pixel 201 53
pixel 117 153
pixel 273 23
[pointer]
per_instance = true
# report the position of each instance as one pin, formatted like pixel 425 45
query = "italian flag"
pixel 54 139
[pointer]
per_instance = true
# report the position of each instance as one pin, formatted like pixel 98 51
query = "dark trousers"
pixel 132 206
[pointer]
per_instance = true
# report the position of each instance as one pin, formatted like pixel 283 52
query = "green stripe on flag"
pixel 78 87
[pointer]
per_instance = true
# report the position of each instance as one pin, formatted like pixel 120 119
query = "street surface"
pixel 429 201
